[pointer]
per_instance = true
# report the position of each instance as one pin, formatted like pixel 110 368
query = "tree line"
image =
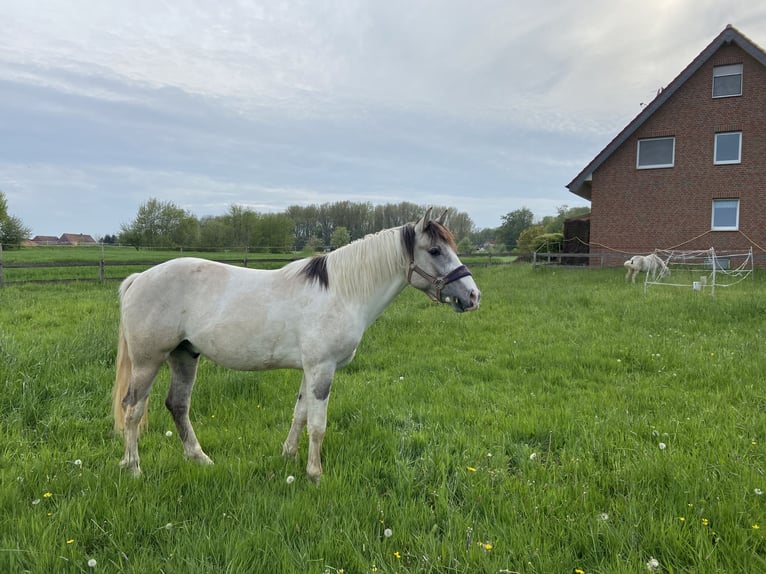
pixel 309 228
pixel 313 227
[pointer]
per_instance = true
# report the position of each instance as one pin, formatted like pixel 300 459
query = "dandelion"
pixel 533 456
pixel 579 570
pixel 653 564
pixel 290 479
pixel 486 546
pixel 471 469
pixel 388 533
pixel 169 433
pixel 662 446
pixel 70 541
pixel 758 491
pixel 682 519
pixel 78 462
pixel 47 495
pixel 603 516
pixel 92 563
pixel 756 527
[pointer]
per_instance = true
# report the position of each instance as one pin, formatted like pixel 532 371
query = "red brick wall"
pixel 636 211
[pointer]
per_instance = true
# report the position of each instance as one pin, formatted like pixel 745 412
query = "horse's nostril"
pixel 475 297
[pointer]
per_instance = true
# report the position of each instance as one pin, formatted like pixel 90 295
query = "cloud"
pixel 487 108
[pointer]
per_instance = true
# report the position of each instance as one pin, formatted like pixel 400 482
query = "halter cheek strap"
pixel 438 282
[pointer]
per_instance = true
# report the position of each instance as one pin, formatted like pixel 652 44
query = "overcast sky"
pixel 487 106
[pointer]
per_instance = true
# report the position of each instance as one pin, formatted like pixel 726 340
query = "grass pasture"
pixel 573 423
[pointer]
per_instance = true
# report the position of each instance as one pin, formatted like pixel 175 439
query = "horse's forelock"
pixel 435 231
pixel 438 232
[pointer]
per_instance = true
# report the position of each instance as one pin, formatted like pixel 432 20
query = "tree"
pixel 513 224
pixel 340 237
pixel 161 224
pixel 12 230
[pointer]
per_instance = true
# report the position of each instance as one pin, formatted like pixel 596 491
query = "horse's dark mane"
pixel 316 270
pixel 435 232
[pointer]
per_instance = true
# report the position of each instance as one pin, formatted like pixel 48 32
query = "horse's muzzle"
pixel 466 303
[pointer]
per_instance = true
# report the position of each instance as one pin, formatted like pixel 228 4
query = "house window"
pixel 656 152
pixel 728 148
pixel 725 215
pixel 727 81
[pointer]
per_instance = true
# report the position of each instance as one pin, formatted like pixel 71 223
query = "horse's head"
pixel 435 267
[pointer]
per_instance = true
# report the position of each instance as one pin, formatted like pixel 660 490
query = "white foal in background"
pixel 651 263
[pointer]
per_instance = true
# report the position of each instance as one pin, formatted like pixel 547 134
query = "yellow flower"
pixel 47 495
pixel 755 527
pixel 471 469
pixel 487 546
pixel 579 571
pixel 705 522
pixel 70 541
pixel 682 519
pixel 397 554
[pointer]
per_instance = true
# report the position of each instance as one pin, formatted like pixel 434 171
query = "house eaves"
pixel 580 185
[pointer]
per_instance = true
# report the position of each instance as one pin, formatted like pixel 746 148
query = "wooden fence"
pixel 120 269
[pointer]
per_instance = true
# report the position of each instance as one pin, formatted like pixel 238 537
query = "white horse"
pixel 651 263
pixel 309 315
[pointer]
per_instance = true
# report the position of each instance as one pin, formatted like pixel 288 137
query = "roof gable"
pixel 728 36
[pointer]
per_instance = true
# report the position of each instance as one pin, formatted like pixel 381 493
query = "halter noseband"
pixel 438 282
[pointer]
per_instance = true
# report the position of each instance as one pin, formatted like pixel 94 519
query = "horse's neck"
pixel 370 272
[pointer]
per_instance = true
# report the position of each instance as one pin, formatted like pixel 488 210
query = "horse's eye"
pixel 435 251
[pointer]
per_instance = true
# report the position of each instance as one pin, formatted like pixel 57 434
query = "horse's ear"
pixel 443 217
pixel 421 225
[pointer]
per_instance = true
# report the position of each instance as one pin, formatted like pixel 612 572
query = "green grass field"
pixel 572 424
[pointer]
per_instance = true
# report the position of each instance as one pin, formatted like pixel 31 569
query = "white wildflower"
pixel 388 533
pixel 662 446
pixel 290 479
pixel 169 433
pixel 758 491
pixel 92 563
pixel 653 565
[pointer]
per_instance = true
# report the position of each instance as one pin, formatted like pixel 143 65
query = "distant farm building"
pixel 71 239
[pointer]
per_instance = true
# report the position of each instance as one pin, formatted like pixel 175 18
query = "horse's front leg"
pixel 290 446
pixel 318 383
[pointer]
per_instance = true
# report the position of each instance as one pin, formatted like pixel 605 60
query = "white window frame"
pixel 719 203
pixel 655 165
pixel 738 159
pixel 727 72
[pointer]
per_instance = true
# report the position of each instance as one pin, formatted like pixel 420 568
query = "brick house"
pixel 689 172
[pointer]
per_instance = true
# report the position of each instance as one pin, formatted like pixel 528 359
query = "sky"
pixel 486 106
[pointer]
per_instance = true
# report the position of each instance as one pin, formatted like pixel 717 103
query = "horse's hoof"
pixel 135 471
pixel 289 453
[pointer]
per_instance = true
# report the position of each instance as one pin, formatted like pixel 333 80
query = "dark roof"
pixel 729 35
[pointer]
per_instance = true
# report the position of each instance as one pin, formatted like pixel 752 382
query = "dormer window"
pixel 727 81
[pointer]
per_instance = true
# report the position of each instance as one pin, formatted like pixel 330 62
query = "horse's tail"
pixel 124 371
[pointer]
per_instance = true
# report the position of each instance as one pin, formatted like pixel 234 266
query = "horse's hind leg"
pixel 134 406
pixel 183 370
pixel 300 416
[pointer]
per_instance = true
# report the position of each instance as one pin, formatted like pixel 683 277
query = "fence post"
pixel 101 264
pixel 244 258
